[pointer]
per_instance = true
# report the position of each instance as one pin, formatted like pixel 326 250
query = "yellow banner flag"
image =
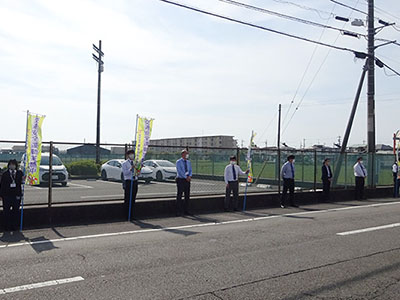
pixel 143 133
pixel 248 158
pixel 33 153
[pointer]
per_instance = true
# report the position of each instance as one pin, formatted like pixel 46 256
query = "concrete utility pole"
pixel 371 95
pixel 100 63
pixel 278 165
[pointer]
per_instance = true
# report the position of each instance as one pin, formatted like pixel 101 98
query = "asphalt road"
pixel 95 190
pixel 312 252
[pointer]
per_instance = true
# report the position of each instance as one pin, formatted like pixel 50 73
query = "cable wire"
pixel 263 27
pixel 318 11
pixel 348 6
pixel 280 15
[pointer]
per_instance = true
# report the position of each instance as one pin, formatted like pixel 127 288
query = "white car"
pixel 60 173
pixel 112 170
pixel 162 169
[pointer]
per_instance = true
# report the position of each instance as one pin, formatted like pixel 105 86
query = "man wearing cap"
pixel 360 172
pixel 183 178
pixel 130 182
pixel 231 176
pixel 287 174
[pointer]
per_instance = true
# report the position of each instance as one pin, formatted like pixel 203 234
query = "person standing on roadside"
pixel 360 173
pixel 396 180
pixel 326 179
pixel 288 174
pixel 10 194
pixel 183 179
pixel 231 176
pixel 130 185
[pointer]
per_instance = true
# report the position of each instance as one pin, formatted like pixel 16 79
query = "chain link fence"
pixel 75 176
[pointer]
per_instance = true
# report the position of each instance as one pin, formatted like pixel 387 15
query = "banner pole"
pixel 133 174
pixel 24 173
pixel 248 167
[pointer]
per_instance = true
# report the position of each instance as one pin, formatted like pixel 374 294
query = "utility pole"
pixel 100 63
pixel 278 165
pixel 371 95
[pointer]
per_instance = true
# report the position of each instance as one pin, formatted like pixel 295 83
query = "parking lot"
pixel 99 190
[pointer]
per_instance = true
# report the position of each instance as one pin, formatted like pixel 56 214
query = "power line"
pixel 318 11
pixel 315 76
pixel 385 65
pixel 288 17
pixel 264 28
pixel 348 6
pixel 304 73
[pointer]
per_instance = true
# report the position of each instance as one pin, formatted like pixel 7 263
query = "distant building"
pixel 87 149
pixel 118 150
pixel 213 141
pixel 383 148
pixel 45 148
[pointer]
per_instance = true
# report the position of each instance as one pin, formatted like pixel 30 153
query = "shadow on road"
pixel 145 225
pixel 39 244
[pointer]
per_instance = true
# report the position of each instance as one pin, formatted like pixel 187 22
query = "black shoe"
pixel 293 205
pixel 236 209
pixel 187 213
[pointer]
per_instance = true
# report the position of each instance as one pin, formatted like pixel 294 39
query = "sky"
pixel 194 74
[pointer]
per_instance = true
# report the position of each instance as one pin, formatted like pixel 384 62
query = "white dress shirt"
pixel 395 168
pixel 126 170
pixel 360 170
pixel 229 173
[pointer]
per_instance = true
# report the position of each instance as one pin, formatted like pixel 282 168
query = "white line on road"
pixel 40 285
pixel 369 229
pixel 82 237
pixel 81 185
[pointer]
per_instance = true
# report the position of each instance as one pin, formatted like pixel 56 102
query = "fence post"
pixel 50 191
pixel 302 170
pixel 126 150
pixel 315 170
pixel 212 165
pixel 238 155
pixel 345 170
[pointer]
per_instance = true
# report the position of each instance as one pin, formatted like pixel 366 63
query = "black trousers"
pixel 233 187
pixel 288 185
pixel 395 187
pixel 11 212
pixel 127 195
pixel 360 181
pixel 183 187
pixel 326 188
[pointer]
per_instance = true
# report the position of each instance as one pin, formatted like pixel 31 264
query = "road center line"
pixel 40 285
pixel 369 229
pixel 102 235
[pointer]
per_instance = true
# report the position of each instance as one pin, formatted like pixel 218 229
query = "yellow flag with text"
pixel 248 158
pixel 33 153
pixel 143 134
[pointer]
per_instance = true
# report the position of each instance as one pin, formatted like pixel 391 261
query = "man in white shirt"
pixel 231 176
pixel 129 174
pixel 396 180
pixel 360 172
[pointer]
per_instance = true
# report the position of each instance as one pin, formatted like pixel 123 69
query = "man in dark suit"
pixel 326 179
pixel 11 193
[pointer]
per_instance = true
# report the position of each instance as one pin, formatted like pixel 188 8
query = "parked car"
pixel 162 169
pixel 112 170
pixel 60 173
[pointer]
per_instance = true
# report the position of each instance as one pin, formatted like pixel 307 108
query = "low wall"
pixel 113 211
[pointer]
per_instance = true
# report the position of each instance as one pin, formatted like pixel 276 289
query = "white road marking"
pixel 193 225
pixel 40 285
pixel 369 229
pixel 81 185
pixel 102 196
pixel 112 182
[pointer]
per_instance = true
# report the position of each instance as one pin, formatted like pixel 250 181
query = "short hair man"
pixel 396 180
pixel 287 174
pixel 130 182
pixel 10 194
pixel 360 173
pixel 183 178
pixel 326 178
pixel 231 176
